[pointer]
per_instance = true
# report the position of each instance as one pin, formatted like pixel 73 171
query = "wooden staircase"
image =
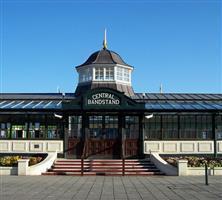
pixel 104 167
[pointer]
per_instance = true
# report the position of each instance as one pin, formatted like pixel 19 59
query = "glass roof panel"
pixel 148 106
pixel 206 106
pixel 176 105
pixel 29 104
pixel 186 96
pixel 178 96
pixel 203 96
pixel 197 106
pixel 151 96
pixel 169 96
pixel 53 104
pixel 153 106
pixel 187 105
pixel 2 103
pixel 19 105
pixel 9 104
pixel 217 105
pixel 194 96
pixel 160 96
pixel 166 105
pixel 218 96
pixel 156 105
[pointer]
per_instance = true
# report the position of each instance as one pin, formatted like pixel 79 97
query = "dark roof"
pixel 153 101
pixel 144 97
pixel 183 105
pixel 126 89
pixel 36 96
pixel 104 56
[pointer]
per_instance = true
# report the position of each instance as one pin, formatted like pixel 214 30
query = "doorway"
pixel 103 136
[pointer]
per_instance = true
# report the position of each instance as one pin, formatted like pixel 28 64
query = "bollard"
pixel 206 174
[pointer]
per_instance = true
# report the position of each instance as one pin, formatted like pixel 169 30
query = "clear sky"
pixel 173 42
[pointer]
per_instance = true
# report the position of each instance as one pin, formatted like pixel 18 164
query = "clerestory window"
pixel 99 73
pixel 123 74
pixel 109 73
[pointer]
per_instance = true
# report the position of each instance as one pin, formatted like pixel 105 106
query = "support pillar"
pixel 214 134
pixel 23 165
pixel 141 135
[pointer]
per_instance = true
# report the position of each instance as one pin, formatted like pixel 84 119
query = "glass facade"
pixel 218 127
pixel 170 126
pixel 152 127
pixel 158 127
pixel 166 127
pixel 103 127
pixel 188 127
pixel 132 127
pixel 30 127
pixel 75 126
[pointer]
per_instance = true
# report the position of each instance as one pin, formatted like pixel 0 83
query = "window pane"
pixel 152 127
pixel 75 126
pixel 170 127
pixel 204 127
pixel 132 127
pixel 110 73
pixel 218 127
pixel 99 73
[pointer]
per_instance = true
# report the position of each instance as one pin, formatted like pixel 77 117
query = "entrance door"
pixel 103 138
pixel 131 136
pixel 75 143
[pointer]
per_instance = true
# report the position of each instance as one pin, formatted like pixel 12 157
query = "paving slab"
pixel 109 188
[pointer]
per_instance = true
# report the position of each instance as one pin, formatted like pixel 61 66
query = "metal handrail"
pixel 123 157
pixel 83 156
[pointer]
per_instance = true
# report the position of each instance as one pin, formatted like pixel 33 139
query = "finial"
pixel 104 41
pixel 161 88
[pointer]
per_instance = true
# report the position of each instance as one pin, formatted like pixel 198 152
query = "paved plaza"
pixel 107 188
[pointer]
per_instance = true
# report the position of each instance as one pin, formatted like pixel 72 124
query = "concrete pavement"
pixel 107 188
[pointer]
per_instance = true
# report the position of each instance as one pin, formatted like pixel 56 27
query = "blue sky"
pixel 176 43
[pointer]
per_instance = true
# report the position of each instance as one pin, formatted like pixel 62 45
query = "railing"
pixel 123 157
pixel 84 155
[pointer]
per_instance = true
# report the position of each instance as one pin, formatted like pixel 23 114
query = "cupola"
pixel 105 68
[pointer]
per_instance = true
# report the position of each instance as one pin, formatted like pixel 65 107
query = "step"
pixel 105 170
pixel 103 174
pixel 103 167
pixel 103 160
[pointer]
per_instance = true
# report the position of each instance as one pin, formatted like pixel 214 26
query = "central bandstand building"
pixel 106 118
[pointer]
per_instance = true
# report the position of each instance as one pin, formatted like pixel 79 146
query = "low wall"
pixel 38 169
pixel 182 147
pixel 8 171
pixel 162 165
pixel 24 168
pixel 31 146
pixel 184 170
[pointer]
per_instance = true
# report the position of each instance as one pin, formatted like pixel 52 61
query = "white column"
pixel 182 167
pixel 104 73
pixel 23 166
pixel 93 71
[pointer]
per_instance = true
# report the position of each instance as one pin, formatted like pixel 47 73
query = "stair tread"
pixel 104 167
